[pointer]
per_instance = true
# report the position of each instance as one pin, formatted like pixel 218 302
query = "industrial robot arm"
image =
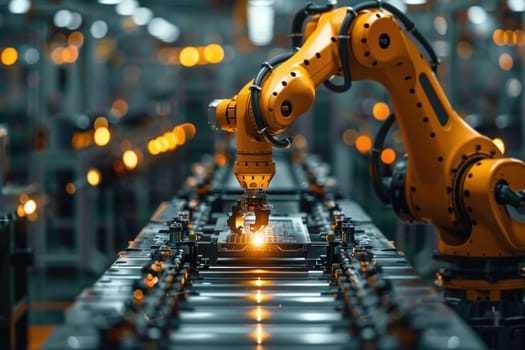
pixel 454 177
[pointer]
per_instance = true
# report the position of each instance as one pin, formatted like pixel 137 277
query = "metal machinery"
pixel 296 266
pixel 15 257
pixel 320 276
pixel 452 177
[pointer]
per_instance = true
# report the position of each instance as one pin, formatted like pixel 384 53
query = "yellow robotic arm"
pixel 454 177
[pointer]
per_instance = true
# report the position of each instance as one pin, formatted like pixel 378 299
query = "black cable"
pixel 343 53
pixel 300 17
pixel 378 183
pixel 266 68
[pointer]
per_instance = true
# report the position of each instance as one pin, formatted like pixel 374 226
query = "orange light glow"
pixel 9 56
pixel 259 334
pixel 500 144
pixel 70 188
pixel 102 136
pixel 93 177
pixel 388 156
pixel 138 294
pixel 23 198
pixel 505 61
pixel 300 142
pixel 119 108
pixel 214 53
pixel 363 143
pixel 258 240
pixel 259 282
pixel 56 55
pixel 101 122
pixel 381 111
pixel 221 159
pixel 152 148
pixel 130 159
pixel 259 314
pixel 258 296
pixel 520 37
pixel 349 137
pixel 172 140
pixel 189 56
pixel 70 54
pixel 464 49
pixel 76 39
pixel 20 211
pixel 164 143
pixel 189 130
pixel 498 37
pixel 180 134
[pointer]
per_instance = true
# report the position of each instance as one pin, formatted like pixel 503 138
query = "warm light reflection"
pixel 172 140
pixel 93 177
pixel 9 56
pixel 138 294
pixel 56 55
pixel 76 39
pixel 259 282
pixel 258 240
pixel 20 211
pixel 70 54
pixel 189 56
pixel 258 296
pixel 214 53
pixel 119 108
pixel 349 137
pixel 381 111
pixel 101 122
pixel 363 143
pixel 180 135
pixel 500 144
pixel 130 159
pixel 259 314
pixel 102 136
pixel 388 156
pixel 152 148
pixel 505 61
pixel 189 130
pixel 70 188
pixel 259 334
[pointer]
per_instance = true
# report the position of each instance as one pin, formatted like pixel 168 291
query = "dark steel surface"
pixel 169 291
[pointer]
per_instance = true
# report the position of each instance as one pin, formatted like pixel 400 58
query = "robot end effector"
pixel 254 167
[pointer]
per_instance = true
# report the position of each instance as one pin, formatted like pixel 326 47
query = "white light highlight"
pixel 19 6
pixel 415 2
pixel 163 30
pixel 62 18
pixel 516 5
pixel 76 21
pixel 31 55
pixel 126 7
pixel 513 87
pixel 260 21
pixel 108 2
pixel 142 15
pixel 99 29
pixel 476 14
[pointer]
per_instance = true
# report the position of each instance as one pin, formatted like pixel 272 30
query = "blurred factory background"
pixel 103 112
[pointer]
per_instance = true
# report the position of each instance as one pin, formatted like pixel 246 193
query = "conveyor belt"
pixel 182 283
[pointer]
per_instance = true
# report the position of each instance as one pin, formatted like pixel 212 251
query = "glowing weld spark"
pixel 258 240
